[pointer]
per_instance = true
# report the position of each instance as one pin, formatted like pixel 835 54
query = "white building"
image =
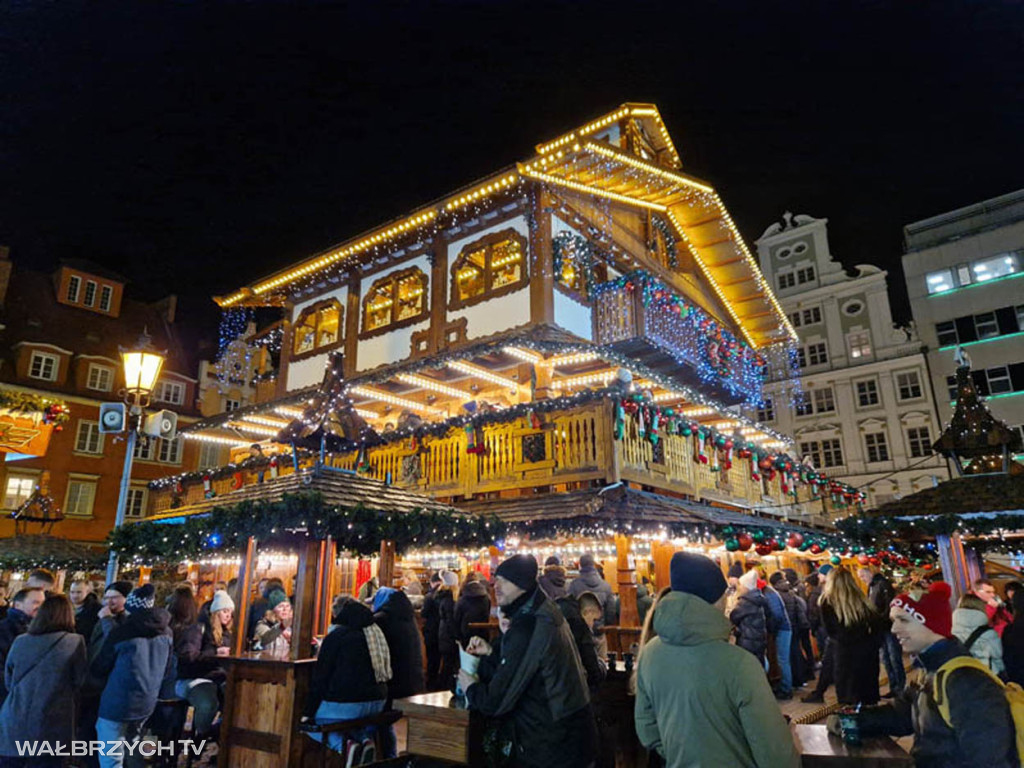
pixel 863 409
pixel 962 271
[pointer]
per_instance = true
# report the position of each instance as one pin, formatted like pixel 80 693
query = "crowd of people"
pixel 715 653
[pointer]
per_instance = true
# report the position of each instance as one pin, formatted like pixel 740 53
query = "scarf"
pixel 380 656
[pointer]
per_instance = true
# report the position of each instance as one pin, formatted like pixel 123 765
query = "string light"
pixel 433 386
pixel 523 354
pixel 401 402
pixel 480 373
pixel 207 438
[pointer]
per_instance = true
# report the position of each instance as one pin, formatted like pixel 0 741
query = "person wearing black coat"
pixel 431 615
pixel 797 613
pixel 880 594
pixel 23 608
pixel 345 684
pixel 472 607
pixel 750 622
pixel 584 639
pixel 856 655
pixel 394 614
pixel 447 637
pixel 1013 641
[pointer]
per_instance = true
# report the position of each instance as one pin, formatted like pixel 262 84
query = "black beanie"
pixel 124 587
pixel 736 570
pixel 552 561
pixel 521 570
pixel 697 575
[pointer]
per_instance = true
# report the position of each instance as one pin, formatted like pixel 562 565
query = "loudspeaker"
pixel 161 424
pixel 113 417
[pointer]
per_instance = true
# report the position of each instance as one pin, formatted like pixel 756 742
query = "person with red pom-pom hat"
pixel 974 725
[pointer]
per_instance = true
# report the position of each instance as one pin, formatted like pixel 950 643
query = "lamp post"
pixel 141 366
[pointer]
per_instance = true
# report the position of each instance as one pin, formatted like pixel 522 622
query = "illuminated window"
pixel 996 266
pixel 860 344
pixel 939 281
pixel 18 490
pixel 491 266
pixel 318 327
pixel 396 300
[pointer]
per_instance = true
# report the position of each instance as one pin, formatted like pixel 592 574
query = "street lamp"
pixel 141 365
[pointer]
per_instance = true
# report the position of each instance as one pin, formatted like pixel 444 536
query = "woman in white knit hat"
pixel 222 612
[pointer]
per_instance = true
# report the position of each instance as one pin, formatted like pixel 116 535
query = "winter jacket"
pixel 539 686
pixel 987 647
pixel 269 636
pixel 15 623
pixel 431 616
pixel 447 629
pixel 701 701
pixel 136 658
pixel 87 616
pixel 999 618
pixel 644 601
pixel 796 613
pixel 983 732
pixel 210 646
pixel 594 666
pixel 473 607
pixel 814 608
pixel 1013 651
pixel 803 621
pixel 749 619
pixel 43 674
pixel 397 621
pixel 344 672
pixel 195 659
pixel 776 615
pixel 590 580
pixel 552 581
pixel 881 594
pixel 856 656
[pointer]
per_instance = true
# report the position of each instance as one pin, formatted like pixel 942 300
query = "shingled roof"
pixel 963 495
pixel 973 431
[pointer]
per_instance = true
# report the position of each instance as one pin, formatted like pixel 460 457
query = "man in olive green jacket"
pixel 699 700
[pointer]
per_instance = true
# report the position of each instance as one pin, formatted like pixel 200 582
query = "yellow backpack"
pixel 1014 695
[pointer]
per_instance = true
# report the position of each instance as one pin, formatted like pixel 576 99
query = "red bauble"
pixel 927 566
pixel 874 560
pixel 763 549
pixel 815 549
pixel 745 541
pixel 862 559
pixel 795 540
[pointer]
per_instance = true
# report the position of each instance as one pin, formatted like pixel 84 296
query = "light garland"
pixel 401 402
pixel 473 370
pixel 216 439
pixel 434 386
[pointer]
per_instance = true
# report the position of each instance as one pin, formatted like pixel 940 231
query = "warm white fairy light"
pixel 401 402
pixel 525 355
pixel 254 428
pixel 433 386
pixel 580 357
pixel 218 439
pixel 480 373
pixel 363 413
pixel 265 421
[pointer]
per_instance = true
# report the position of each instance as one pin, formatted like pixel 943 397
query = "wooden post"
pixel 352 310
pixel 438 296
pixel 386 565
pixel 305 600
pixel 628 613
pixel 239 639
pixel 145 574
pixel 542 283
pixel 661 554
pixel 324 582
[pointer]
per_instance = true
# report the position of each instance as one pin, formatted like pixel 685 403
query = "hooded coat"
pixel 15 623
pixel 447 629
pixel 397 620
pixel 984 733
pixel 590 580
pixel 344 671
pixel 749 619
pixel 987 647
pixel 539 686
pixel 136 658
pixel 43 673
pixel 472 607
pixel 584 639
pixel 552 581
pixel 701 701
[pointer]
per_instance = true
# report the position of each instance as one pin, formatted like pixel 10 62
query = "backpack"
pixel 1014 695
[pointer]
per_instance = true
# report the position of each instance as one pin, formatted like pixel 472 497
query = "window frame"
pixel 900 386
pixel 875 391
pixel 228 407
pixel 879 443
pixel 832 452
pixel 106 297
pixel 941 286
pixel 786 280
pixel 819 395
pixel 72 512
pixel 87 300
pixel 811 448
pixel 160 392
pixel 817 346
pixel 806 274
pixel 945 328
pixel 33 480
pixel 55 359
pixel 165 454
pixel 98 368
pixel 767 409
pixel 859 341
pixel 315 310
pixel 988 322
pixel 135 491
pixel 918 445
pixel 76 282
pixel 999 369
pixel 394 278
pixel 145 449
pixel 95 436
pixel 487 243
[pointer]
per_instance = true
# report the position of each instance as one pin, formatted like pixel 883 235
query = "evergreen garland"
pixel 359 530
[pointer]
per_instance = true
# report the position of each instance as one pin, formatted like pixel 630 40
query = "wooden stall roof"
pixel 963 495
pixel 338 488
pixel 43 549
pixel 580 161
pixel 620 503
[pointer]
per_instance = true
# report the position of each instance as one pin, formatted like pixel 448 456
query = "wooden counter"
pixel 820 749
pixel 439 726
pixel 262 706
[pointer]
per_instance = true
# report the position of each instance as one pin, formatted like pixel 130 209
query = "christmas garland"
pixel 53 411
pixel 861 528
pixel 359 529
pixel 249 464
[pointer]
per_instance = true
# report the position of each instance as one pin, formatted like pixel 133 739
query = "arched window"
pixel 491 266
pixel 318 328
pixel 663 243
pixel 394 301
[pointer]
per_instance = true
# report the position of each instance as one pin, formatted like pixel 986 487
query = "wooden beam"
pixel 438 295
pixel 239 641
pixel 628 614
pixel 352 309
pixel 386 564
pixel 542 283
pixel 305 600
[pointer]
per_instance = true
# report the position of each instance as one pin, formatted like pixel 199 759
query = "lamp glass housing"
pixel 141 370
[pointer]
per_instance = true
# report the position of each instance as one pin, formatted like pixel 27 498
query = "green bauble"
pixel 758 536
pixel 728 530
pixel 732 545
pixel 835 560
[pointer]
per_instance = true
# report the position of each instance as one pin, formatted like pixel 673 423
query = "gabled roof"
pixel 585 162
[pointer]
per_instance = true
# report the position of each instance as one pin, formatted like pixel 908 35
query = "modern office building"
pixel 862 409
pixel 962 270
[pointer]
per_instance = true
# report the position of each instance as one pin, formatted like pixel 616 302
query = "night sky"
pixel 197 146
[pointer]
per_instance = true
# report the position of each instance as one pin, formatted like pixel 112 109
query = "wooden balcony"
pixel 571 450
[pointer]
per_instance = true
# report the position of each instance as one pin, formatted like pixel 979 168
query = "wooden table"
pixel 820 749
pixel 440 726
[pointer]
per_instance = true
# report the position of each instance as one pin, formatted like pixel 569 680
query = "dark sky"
pixel 196 146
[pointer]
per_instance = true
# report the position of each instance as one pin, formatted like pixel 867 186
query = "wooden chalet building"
pixel 586 317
